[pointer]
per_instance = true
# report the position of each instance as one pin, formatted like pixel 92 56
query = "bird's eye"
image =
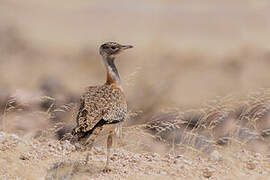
pixel 113 47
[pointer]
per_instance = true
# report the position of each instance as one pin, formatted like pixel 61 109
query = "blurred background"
pixel 186 52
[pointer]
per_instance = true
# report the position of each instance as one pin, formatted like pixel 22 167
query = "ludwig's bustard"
pixel 102 105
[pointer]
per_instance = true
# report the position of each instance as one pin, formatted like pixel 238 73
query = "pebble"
pixel 207 173
pixel 251 165
pixel 215 156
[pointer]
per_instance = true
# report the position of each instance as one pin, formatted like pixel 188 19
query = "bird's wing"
pixel 104 104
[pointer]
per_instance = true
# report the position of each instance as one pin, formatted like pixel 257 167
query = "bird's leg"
pixel 87 157
pixel 88 154
pixel 109 145
pixel 88 142
pixel 118 132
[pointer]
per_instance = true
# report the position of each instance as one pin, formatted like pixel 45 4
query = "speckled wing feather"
pixel 100 105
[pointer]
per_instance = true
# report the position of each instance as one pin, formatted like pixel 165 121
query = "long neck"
pixel 112 73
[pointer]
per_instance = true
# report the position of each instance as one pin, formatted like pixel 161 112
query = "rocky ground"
pixel 45 158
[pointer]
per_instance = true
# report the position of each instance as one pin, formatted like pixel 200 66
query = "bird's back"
pixel 100 105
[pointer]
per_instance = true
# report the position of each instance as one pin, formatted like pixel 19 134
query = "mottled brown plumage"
pixel 99 106
pixel 103 105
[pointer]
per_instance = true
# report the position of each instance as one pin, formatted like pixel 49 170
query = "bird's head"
pixel 111 49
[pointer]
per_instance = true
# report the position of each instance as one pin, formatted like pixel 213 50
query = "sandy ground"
pixel 44 158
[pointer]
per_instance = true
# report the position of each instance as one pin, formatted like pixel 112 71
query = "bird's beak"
pixel 126 47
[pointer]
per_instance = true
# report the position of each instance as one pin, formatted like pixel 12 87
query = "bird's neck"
pixel 112 73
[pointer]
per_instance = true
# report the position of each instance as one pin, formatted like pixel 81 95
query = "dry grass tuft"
pixel 220 122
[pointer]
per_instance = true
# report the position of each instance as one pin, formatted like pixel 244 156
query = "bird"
pixel 104 105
